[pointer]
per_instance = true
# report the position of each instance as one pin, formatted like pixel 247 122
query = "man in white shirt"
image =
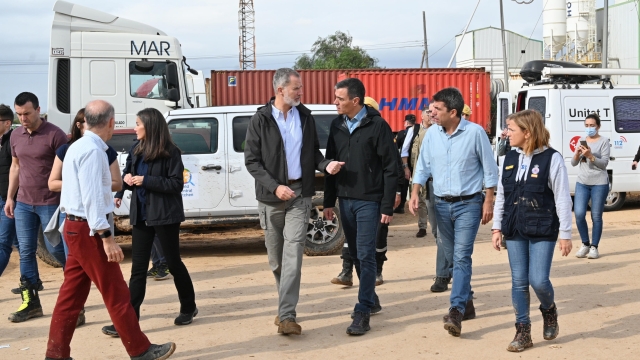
pixel 93 252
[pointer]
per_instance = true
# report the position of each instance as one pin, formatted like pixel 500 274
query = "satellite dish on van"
pixel 531 71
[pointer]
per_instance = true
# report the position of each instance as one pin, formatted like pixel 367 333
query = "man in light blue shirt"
pixel 458 155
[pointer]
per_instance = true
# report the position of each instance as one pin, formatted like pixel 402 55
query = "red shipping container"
pixel 398 91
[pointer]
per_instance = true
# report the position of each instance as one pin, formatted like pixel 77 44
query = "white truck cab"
pixel 95 55
pixel 565 99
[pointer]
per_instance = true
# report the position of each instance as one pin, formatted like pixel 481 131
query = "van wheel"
pixel 43 253
pixel 324 237
pixel 614 201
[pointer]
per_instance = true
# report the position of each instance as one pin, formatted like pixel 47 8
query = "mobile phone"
pixel 633 167
pixel 584 143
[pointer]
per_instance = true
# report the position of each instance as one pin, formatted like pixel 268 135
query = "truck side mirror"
pixel 173 95
pixel 172 76
pixel 143 66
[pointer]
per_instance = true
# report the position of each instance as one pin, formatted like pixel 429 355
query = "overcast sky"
pixel 209 28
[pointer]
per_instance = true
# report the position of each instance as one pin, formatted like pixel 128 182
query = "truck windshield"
pixel 149 85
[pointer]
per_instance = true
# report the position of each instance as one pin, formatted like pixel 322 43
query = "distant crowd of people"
pixel 445 163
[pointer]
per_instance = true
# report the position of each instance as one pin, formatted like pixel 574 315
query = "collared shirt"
pixel 35 152
pixel 460 163
pixel 352 124
pixel 407 142
pixel 291 132
pixel 86 185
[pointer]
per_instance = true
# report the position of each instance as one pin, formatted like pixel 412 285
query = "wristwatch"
pixel 405 166
pixel 105 234
pixel 398 193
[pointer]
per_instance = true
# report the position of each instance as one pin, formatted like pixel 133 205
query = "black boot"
pixel 550 318
pixel 17 290
pixel 440 284
pixel 522 340
pixel 380 259
pixel 346 275
pixel 454 323
pixel 30 307
pixel 360 324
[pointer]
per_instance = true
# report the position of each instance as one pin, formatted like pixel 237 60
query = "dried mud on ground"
pixel 598 302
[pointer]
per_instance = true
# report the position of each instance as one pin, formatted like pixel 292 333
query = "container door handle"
pixel 211 167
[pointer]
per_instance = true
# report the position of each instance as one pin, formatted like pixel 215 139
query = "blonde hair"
pixel 530 121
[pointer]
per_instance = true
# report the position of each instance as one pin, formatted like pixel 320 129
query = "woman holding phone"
pixel 591 157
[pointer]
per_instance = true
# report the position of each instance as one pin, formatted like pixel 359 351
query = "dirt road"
pixel 598 301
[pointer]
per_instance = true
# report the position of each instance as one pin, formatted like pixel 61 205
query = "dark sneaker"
pixel 163 273
pixel 550 318
pixel 360 324
pixel 469 312
pixel 344 278
pixel 454 322
pixel 421 233
pixel 17 290
pixel 441 284
pixel 30 307
pixel 522 340
pixel 185 319
pixel 81 319
pixel 110 330
pixel 152 272
pixel 157 352
pixel 289 327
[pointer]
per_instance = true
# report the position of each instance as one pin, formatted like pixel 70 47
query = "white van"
pixel 565 104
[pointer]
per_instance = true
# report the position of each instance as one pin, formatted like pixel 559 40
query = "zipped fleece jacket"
pixel 265 158
pixel 370 171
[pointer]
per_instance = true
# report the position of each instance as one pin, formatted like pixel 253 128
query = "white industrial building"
pixel 483 48
pixel 624 37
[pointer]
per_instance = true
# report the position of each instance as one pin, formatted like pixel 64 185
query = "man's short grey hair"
pixel 98 113
pixel 282 77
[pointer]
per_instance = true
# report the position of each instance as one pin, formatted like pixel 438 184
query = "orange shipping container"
pixel 398 91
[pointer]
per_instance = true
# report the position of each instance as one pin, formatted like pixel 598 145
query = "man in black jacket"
pixel 282 153
pixel 7 225
pixel 366 187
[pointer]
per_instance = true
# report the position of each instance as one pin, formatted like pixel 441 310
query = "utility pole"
pixel 504 50
pixel 247 39
pixel 425 53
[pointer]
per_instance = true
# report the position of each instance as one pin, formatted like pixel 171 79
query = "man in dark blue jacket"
pixel 365 186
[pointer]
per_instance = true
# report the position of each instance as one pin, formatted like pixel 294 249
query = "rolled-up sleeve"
pixel 90 166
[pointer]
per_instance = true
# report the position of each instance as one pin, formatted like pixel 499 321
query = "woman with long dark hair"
pixel 532 210
pixel 592 185
pixel 154 174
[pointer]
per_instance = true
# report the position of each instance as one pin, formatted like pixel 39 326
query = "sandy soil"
pixel 598 303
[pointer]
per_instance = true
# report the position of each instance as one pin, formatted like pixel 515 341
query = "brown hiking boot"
pixel 289 327
pixel 469 312
pixel 276 322
pixel 550 318
pixel 522 340
pixel 454 322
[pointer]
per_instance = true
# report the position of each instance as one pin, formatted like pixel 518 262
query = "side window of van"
pixel 239 127
pixel 626 112
pixel 323 124
pixel 195 136
pixel 538 103
pixel 504 111
pixel 150 84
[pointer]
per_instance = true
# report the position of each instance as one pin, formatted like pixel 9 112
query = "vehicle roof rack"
pixel 567 72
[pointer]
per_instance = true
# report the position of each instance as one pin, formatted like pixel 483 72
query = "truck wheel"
pixel 43 253
pixel 324 237
pixel 614 201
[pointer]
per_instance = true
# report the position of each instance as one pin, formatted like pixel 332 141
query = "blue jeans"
pixel 8 238
pixel 360 220
pixel 28 219
pixel 530 263
pixel 157 256
pixel 458 224
pixel 598 195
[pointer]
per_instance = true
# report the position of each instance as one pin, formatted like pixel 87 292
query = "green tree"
pixel 336 52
